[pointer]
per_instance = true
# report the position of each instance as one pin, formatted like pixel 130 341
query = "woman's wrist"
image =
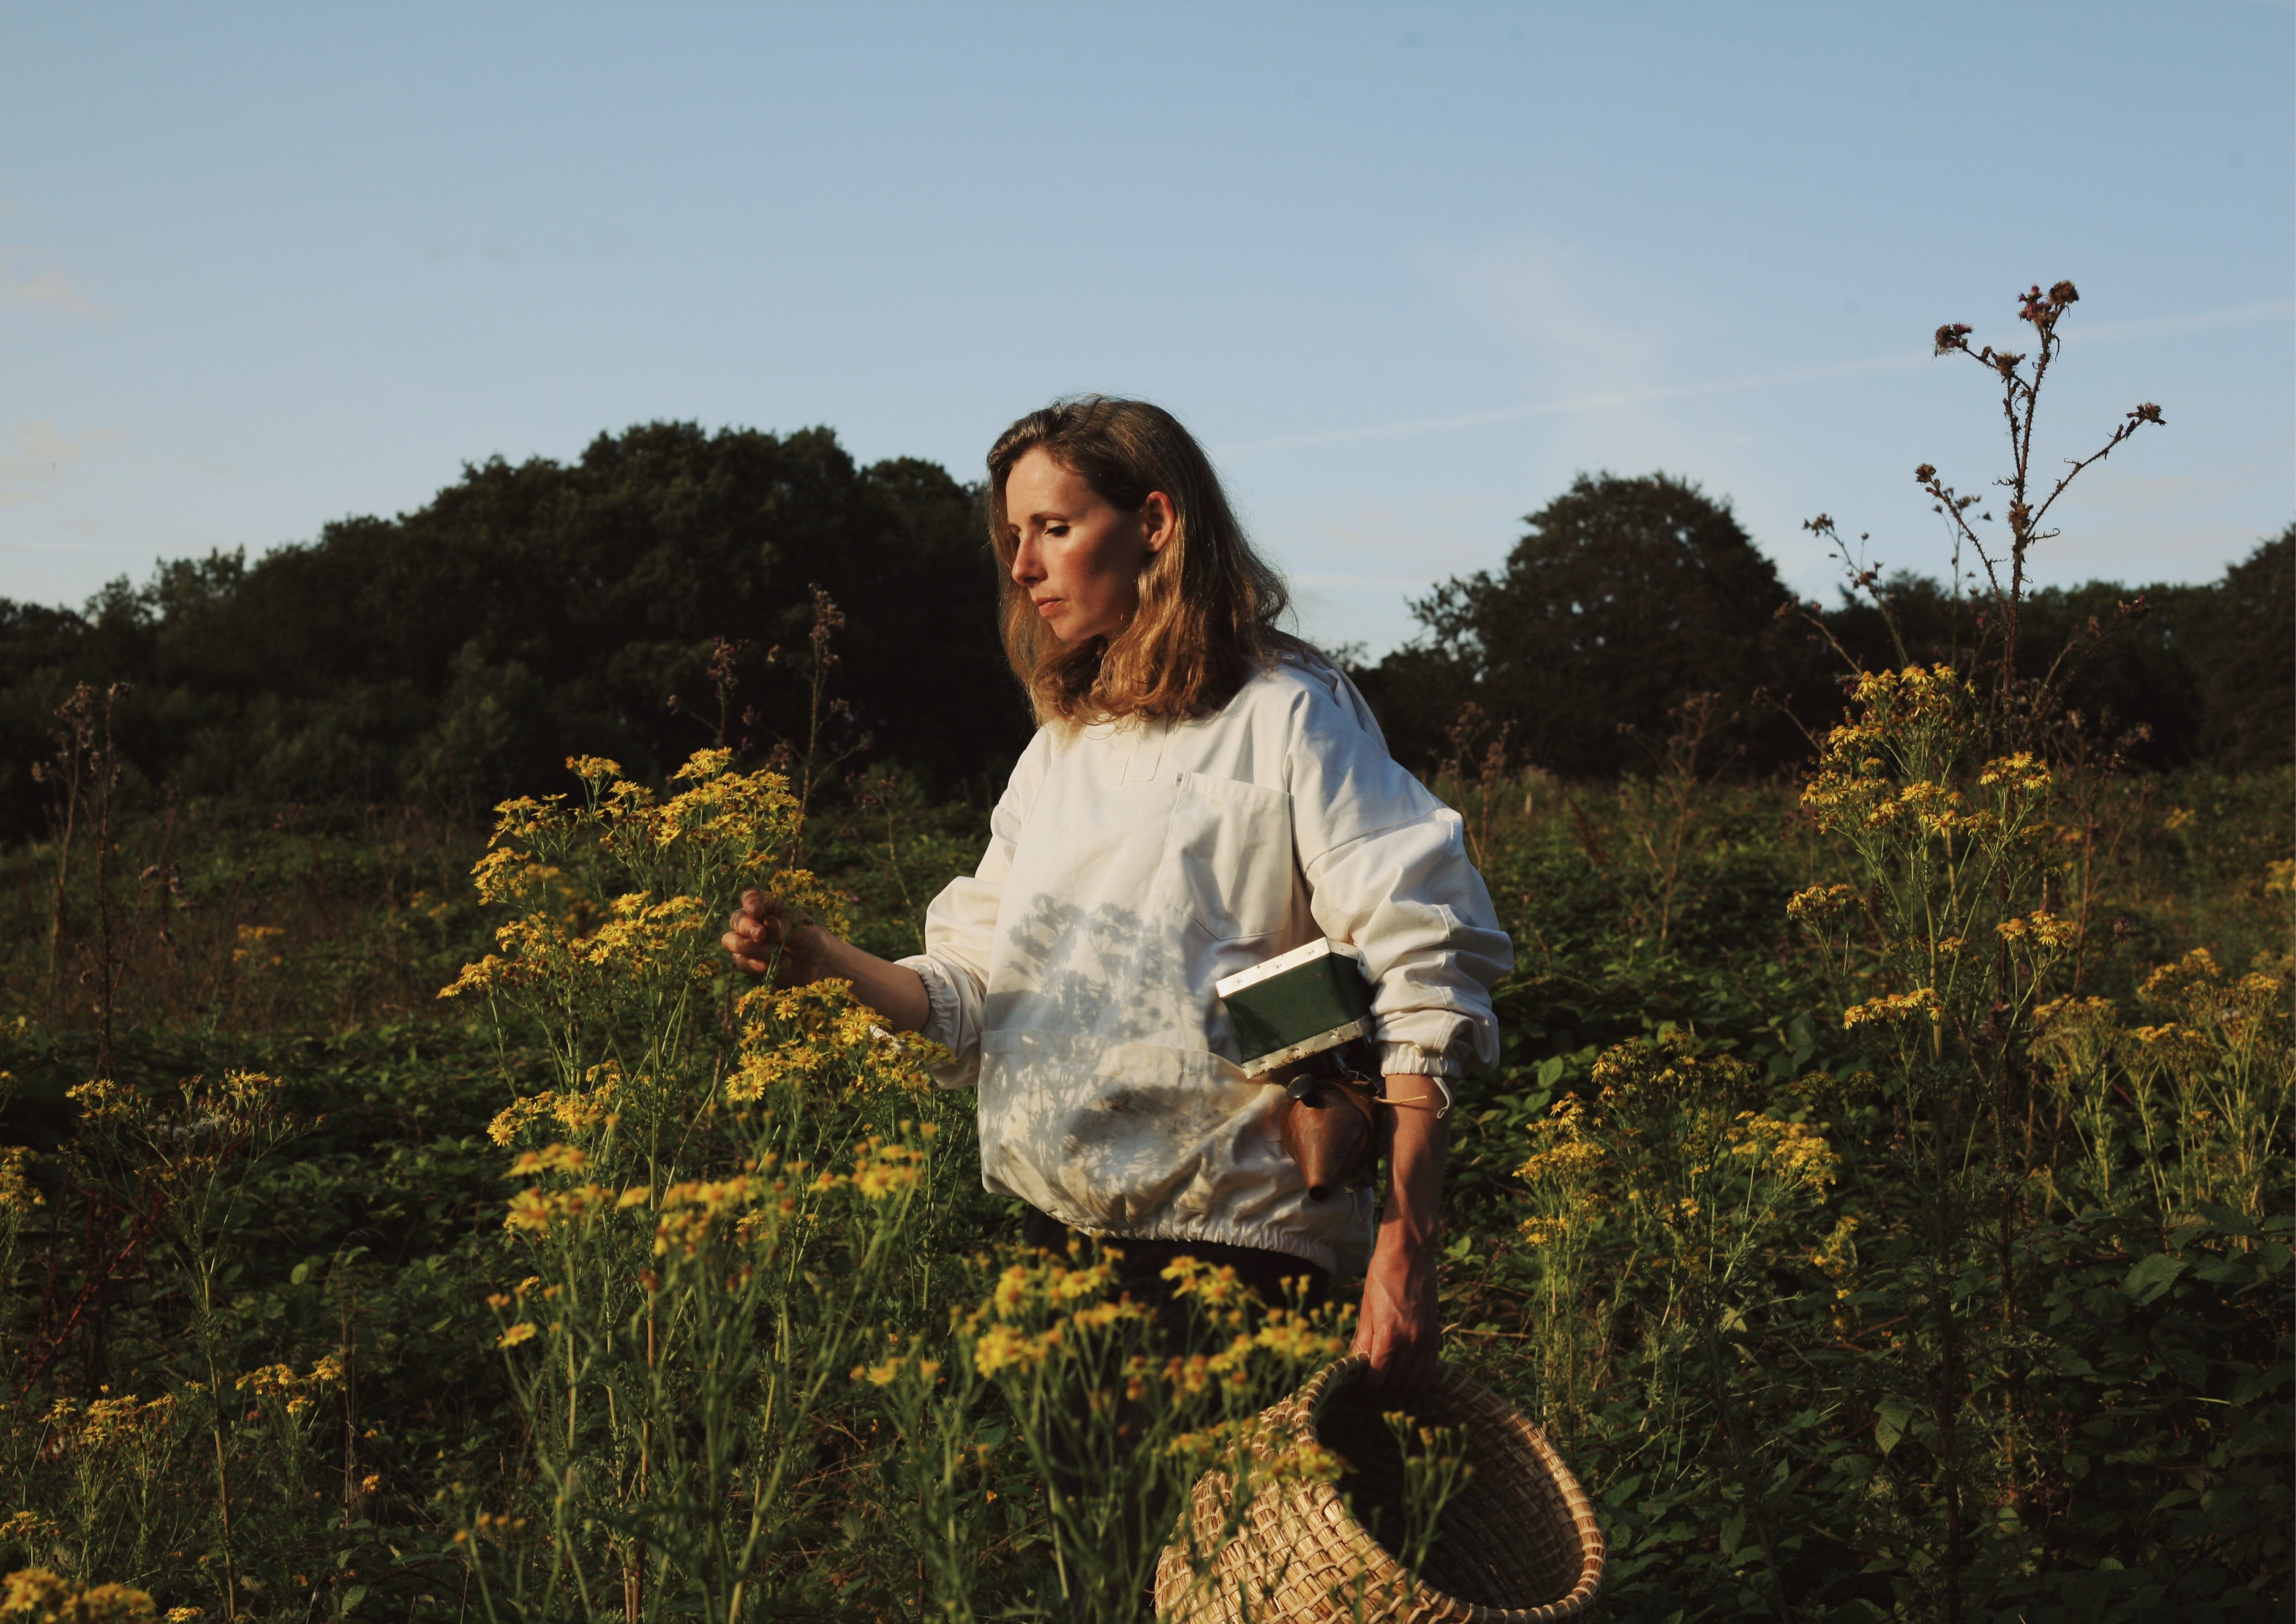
pixel 1412 1216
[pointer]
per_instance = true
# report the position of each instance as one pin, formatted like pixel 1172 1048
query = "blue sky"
pixel 1404 268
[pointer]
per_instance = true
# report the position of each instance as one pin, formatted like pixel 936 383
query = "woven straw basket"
pixel 1517 1545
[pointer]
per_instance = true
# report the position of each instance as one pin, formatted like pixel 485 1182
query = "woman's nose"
pixel 1028 567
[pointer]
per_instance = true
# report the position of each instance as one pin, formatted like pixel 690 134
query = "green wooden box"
pixel 1298 1004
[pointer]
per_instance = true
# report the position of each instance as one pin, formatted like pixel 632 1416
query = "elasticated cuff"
pixel 941 999
pixel 1408 1058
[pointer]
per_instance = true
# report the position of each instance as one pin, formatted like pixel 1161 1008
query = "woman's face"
pixel 1078 558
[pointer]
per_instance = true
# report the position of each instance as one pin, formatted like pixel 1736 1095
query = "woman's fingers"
pixel 743 952
pixel 752 932
pixel 1400 1330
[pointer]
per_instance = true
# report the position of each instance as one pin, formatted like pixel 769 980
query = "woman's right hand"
pixel 766 935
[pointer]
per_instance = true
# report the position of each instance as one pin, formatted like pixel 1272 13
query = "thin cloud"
pixel 35 455
pixel 2106 332
pixel 45 290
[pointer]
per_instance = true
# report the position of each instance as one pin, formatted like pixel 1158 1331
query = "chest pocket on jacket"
pixel 1231 854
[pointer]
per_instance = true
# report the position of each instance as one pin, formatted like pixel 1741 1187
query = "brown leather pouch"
pixel 1334 1123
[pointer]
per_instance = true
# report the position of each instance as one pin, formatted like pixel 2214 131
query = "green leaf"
pixel 2151 1278
pixel 1734 1529
pixel 1891 1417
pixel 352 1598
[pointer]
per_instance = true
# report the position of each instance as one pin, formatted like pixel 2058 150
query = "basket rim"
pixel 1307 1404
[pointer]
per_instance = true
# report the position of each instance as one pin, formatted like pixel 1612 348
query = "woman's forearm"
pixel 1401 1328
pixel 894 991
pixel 1414 1178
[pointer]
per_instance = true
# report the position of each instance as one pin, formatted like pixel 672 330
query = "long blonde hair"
pixel 1208 604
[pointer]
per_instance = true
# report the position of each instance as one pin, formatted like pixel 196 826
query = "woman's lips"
pixel 1046 606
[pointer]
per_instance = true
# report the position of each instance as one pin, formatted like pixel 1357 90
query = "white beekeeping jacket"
pixel 1131 865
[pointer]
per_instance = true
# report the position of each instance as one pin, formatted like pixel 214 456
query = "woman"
pixel 1203 793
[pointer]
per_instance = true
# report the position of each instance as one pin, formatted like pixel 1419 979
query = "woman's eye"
pixel 1056 530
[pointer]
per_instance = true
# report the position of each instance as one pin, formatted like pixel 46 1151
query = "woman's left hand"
pixel 1400 1330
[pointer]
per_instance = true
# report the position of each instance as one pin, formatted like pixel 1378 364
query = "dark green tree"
pixel 629 604
pixel 2243 644
pixel 1624 597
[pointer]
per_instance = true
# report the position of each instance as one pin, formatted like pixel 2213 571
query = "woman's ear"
pixel 1159 520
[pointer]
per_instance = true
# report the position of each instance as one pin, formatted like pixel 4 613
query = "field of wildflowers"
pixel 1821 1239
pixel 1883 1201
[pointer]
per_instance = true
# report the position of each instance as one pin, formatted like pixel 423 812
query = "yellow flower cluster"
pixel 796 1036
pixel 896 1361
pixel 1934 808
pixel 746 810
pixel 2019 774
pixel 638 937
pixel 2247 1012
pixel 2176 1046
pixel 256 945
pixel 550 1158
pixel 107 1423
pixel 1818 902
pixel 749 814
pixel 1892 1008
pixel 1836 1254
pixel 724 826
pixel 575 1111
pixel 639 931
pixel 281 1381
pixel 1791 1153
pixel 104 1104
pixel 2041 931
pixel 1047 1290
pixel 2175 985
pixel 1002 1347
pixel 1895 769
pixel 1565 1152
pixel 1553 1228
pixel 881 1168
pixel 536 1212
pixel 17 1193
pixel 34 1596
pixel 506 875
pixel 690 1211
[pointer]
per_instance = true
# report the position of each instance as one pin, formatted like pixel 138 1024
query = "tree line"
pixel 1625 596
pixel 660 593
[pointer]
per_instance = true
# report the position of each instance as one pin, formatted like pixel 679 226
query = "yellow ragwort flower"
pixel 1892 1008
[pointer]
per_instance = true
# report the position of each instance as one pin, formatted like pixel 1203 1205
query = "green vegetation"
pixel 1883 1199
